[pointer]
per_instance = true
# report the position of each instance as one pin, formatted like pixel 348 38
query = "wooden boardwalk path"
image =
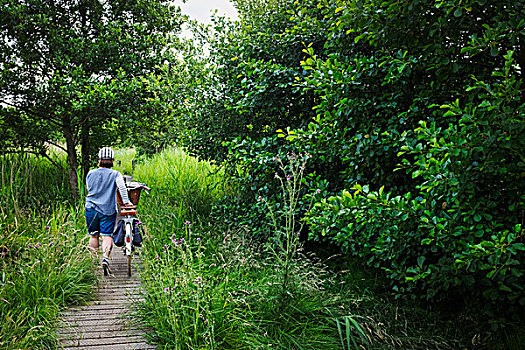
pixel 103 323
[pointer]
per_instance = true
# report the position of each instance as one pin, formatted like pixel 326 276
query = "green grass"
pixel 181 180
pixel 124 158
pixel 45 267
pixel 44 262
pixel 210 287
pixel 213 289
pixel 29 182
pixel 207 286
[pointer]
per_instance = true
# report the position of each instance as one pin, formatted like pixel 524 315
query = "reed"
pixel 43 260
pixel 45 267
pixel 214 289
pixel 180 178
pixel 28 181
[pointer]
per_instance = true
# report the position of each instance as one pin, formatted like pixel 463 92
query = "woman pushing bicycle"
pixel 101 207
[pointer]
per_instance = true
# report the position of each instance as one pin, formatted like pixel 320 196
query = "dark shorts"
pixel 99 223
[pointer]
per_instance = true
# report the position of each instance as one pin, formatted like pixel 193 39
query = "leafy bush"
pixel 420 103
pixel 458 231
pixel 253 170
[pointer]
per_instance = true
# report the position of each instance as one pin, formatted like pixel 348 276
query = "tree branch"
pixel 57 145
pixel 31 112
pixel 45 155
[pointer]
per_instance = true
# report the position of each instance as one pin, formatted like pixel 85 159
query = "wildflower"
pixel 167 289
pixel 198 239
pixel 288 178
pixel 276 175
pixel 165 246
pixel 174 240
pixel 174 288
pixel 139 223
pixel 30 246
pixel 51 244
pixel 48 227
pixel 259 199
pixel 318 191
pixel 187 222
pixel 181 240
pixel 157 257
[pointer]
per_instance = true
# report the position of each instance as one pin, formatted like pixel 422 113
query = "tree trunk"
pixel 71 160
pixel 521 59
pixel 84 149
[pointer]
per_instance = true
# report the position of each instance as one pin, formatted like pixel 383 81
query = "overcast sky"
pixel 201 9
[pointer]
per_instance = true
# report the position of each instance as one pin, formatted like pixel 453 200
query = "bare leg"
pixel 107 245
pixel 93 245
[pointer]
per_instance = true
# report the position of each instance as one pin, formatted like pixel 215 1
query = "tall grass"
pixel 43 260
pixel 44 268
pixel 124 160
pixel 181 179
pixel 210 287
pixel 27 181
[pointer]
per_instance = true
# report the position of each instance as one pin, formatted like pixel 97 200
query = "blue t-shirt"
pixel 102 186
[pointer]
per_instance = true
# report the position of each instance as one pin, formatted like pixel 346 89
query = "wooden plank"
pixel 104 324
pixel 101 334
pixel 129 346
pixel 118 328
pixel 118 340
pixel 108 315
pixel 101 306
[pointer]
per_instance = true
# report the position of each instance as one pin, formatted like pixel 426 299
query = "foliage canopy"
pixel 79 72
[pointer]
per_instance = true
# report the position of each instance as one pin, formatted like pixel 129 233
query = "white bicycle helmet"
pixel 106 153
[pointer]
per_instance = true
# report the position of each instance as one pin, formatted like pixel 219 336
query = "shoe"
pixel 105 266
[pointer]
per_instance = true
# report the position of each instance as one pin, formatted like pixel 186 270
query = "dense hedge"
pixel 413 113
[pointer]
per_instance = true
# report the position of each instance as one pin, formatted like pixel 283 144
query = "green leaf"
pixel 458 12
pixel 505 288
pixel 519 246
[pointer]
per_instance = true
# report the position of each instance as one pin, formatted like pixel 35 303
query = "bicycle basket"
pixel 134 189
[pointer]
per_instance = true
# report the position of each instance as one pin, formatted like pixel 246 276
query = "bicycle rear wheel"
pixel 128 246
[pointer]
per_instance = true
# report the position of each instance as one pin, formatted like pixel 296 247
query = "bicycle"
pixel 128 217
